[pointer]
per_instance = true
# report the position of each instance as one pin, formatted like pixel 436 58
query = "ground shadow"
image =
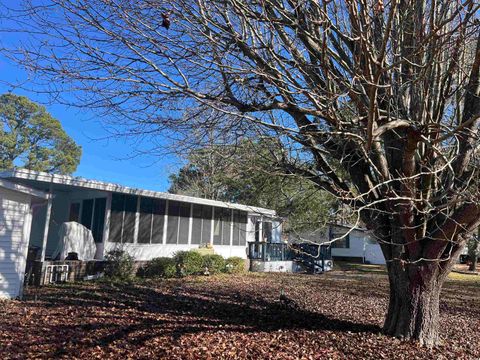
pixel 205 310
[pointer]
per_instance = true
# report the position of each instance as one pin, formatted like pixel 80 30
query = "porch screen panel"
pixel 145 221
pixel 116 218
pixel 172 224
pixel 206 224
pixel 236 236
pixel 217 226
pixel 267 231
pixel 129 219
pixel 99 219
pixel 226 225
pixel 74 214
pixel 239 228
pixel 184 223
pixel 158 223
pixel 87 212
pixel 197 224
pixel 242 228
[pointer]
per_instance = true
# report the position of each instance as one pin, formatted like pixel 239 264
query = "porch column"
pixel 47 226
pixel 106 229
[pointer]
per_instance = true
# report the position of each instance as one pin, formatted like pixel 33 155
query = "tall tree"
pixel 31 138
pixel 389 90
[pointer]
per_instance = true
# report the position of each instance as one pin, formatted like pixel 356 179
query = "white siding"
pixel 356 249
pixel 150 251
pixel 373 254
pixel 14 228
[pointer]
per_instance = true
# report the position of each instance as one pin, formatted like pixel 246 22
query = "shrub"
pixel 235 265
pixel 214 263
pixel 119 265
pixel 161 266
pixel 188 263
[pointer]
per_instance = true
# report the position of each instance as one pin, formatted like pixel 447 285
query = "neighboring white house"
pixel 147 224
pixel 352 244
pixel 16 203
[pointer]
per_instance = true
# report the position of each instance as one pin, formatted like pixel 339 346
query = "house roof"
pixel 23 189
pixel 79 182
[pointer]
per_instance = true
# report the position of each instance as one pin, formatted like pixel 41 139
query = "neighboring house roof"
pixel 348 226
pixel 42 177
pixel 23 189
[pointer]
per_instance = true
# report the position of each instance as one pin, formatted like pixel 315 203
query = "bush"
pixel 119 265
pixel 188 263
pixel 235 265
pixel 161 266
pixel 214 263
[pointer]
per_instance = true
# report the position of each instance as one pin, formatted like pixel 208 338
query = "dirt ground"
pixel 254 316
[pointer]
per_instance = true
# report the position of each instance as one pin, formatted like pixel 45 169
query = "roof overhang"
pixel 79 182
pixel 24 189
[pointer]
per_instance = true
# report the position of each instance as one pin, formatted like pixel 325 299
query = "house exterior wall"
pixel 373 254
pixel 356 248
pixel 15 221
pixel 361 246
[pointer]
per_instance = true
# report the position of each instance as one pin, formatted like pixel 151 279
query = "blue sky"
pixel 106 160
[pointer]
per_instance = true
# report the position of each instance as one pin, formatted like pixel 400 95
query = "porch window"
pixel 267 231
pixel 122 218
pixel 98 219
pixel 239 236
pixel 201 224
pixel 151 221
pixel 87 213
pixel 178 225
pixel 74 214
pixel 222 225
pixel 343 243
pixel 93 216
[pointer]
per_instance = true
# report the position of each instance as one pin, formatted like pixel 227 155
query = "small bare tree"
pixel 376 101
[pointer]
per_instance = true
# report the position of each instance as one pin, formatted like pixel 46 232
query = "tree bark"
pixel 473 263
pixel 413 311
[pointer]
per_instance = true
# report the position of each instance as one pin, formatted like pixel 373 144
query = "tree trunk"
pixel 473 263
pixel 413 311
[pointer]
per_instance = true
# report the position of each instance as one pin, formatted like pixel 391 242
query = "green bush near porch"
pixel 215 263
pixel 120 265
pixel 191 262
pixel 235 265
pixel 188 263
pixel 160 267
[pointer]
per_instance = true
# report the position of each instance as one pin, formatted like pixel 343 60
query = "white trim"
pixel 165 224
pixel 105 186
pixel 231 228
pixel 212 226
pixel 137 223
pixel 106 225
pixel 46 228
pixel 190 226
pixel 27 225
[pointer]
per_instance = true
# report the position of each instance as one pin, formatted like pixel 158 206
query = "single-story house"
pixel 146 224
pixel 16 205
pixel 351 244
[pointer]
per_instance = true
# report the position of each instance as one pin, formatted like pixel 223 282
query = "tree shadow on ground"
pixel 182 311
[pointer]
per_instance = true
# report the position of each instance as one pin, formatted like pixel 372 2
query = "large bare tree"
pixel 376 101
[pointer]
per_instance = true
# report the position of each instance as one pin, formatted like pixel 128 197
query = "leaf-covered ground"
pixel 331 316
